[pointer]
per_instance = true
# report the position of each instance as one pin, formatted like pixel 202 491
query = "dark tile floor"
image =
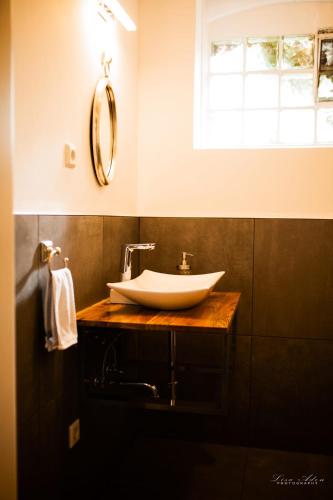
pixel 170 469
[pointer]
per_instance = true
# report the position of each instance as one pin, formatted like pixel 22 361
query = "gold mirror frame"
pixel 104 173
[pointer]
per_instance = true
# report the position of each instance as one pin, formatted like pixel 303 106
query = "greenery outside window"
pixel 269 92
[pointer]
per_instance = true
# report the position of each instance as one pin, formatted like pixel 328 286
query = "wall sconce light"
pixel 112 8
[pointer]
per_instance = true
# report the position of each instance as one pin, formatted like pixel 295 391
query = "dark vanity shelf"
pixel 104 321
pixel 197 407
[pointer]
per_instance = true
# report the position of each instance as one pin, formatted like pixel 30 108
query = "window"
pixel 269 92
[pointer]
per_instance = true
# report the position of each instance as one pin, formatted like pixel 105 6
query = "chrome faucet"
pixel 126 257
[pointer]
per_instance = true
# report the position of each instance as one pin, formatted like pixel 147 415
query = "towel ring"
pixel 48 251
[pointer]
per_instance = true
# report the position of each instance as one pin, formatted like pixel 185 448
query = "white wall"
pixel 57 53
pixel 215 9
pixel 58 47
pixel 288 17
pixel 174 179
pixel 7 332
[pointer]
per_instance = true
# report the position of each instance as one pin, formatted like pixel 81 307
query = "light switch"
pixel 70 156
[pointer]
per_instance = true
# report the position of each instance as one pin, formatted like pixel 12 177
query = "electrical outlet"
pixel 70 156
pixel 74 433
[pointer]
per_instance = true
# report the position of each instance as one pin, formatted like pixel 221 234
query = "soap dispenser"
pixel 185 267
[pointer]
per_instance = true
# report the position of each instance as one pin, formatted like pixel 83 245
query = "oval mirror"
pixel 104 131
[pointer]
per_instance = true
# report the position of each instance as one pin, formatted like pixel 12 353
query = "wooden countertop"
pixel 213 315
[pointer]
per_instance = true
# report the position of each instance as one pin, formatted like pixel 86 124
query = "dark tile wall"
pixel 292 399
pixel 262 467
pixel 292 382
pixel 81 239
pixel 293 278
pixel 280 387
pixel 48 383
pixel 232 428
pixel 205 471
pixel 280 392
pixel 217 244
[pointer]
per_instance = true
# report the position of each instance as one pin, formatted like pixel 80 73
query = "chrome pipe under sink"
pixel 151 387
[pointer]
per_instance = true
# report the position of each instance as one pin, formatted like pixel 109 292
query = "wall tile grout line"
pixel 249 417
pixel 253 274
pixel 244 474
pixel 39 287
pixel 139 257
pixel 314 339
pixel 39 433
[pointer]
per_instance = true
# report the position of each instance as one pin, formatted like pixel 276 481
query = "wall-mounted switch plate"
pixel 70 156
pixel 74 433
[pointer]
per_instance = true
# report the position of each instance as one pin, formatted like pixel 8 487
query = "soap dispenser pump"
pixel 185 267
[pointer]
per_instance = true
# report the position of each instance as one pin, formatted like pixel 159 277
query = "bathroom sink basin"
pixel 166 291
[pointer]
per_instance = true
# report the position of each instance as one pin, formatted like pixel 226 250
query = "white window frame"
pixel 203 111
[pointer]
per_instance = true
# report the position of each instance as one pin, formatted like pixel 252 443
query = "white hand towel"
pixel 59 311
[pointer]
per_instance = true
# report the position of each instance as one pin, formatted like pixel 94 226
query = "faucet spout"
pixel 126 257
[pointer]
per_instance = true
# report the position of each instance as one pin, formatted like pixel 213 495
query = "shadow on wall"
pixel 48 383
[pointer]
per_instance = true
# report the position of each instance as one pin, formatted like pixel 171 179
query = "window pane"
pixel 226 56
pixel 225 128
pixel 325 88
pixel 297 90
pixel 297 126
pixel 261 91
pixel 325 125
pixel 260 127
pixel 262 53
pixel 226 92
pixel 297 52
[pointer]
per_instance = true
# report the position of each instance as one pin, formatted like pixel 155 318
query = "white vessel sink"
pixel 165 291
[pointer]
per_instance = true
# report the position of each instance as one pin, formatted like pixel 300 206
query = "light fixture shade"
pixel 114 7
